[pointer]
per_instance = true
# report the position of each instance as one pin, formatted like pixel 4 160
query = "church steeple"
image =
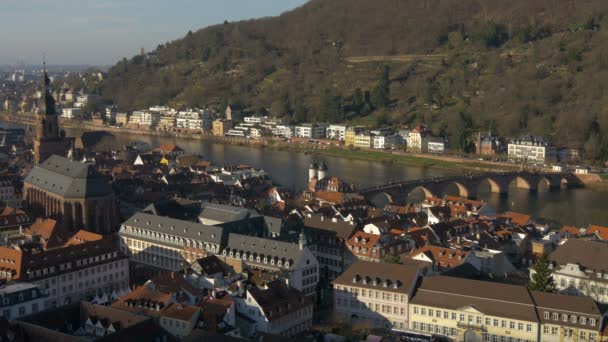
pixel 47 103
pixel 49 138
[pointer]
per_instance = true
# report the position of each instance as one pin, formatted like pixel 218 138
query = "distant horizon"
pixel 100 33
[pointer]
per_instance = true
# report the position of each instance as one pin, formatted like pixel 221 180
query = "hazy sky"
pixel 103 31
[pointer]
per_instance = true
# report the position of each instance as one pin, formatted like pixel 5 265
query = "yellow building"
pixel 221 126
pixel 364 139
pixel 375 295
pixel 567 318
pixel 470 310
pixel 349 136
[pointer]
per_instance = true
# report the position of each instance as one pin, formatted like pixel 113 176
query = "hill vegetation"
pixel 509 67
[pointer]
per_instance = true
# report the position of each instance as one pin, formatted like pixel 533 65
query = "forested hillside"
pixel 512 67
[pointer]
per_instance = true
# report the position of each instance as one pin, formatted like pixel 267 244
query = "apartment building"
pixel 284 131
pixel 166 243
pixel 384 141
pixel 21 299
pixel 310 131
pixel 433 145
pixel 326 239
pixel 295 262
pixel 364 139
pixel 469 310
pixel 221 127
pixel 276 309
pixel 169 244
pixel 579 268
pixel 189 119
pixel 336 132
pixel 532 150
pixel 71 273
pixel 350 136
pixel 567 318
pixel 375 295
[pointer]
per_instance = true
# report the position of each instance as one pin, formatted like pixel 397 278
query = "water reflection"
pixel 290 169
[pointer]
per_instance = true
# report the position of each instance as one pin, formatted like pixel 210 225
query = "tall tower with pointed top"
pixel 49 138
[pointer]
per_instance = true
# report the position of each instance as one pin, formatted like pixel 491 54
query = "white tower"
pixel 313 170
pixel 322 170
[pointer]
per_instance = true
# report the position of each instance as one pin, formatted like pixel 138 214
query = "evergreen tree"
pixel 542 280
pixel 380 96
pixel 358 101
pixel 331 106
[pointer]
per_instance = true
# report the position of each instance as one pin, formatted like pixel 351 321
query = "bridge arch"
pixel 564 182
pixel 425 190
pixel 522 183
pixel 495 187
pixel 381 199
pixel 463 190
pixel 545 183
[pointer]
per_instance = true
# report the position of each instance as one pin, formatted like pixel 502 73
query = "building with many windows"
pixel 532 150
pixel 375 295
pixel 567 318
pixel 471 310
pixel 21 299
pixel 310 131
pixel 364 139
pixel 169 244
pixel 284 131
pixel 276 309
pixel 579 268
pixel 336 132
pixel 295 262
pixel 69 274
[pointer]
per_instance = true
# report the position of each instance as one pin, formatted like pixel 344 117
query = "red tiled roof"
pixel 602 232
pixel 444 258
pixel 517 218
pixel 83 236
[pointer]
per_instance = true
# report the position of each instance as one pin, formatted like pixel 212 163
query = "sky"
pixel 100 32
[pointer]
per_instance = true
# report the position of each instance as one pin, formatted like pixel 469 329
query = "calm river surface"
pixel 290 169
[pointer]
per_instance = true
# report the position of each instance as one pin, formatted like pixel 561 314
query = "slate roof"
pixel 493 299
pixel 344 230
pixel 578 306
pixel 225 213
pixel 278 300
pixel 399 278
pixel 69 179
pixel 589 254
pixel 284 251
pixel 180 228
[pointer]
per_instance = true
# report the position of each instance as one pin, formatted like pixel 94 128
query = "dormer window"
pixel 555 317
pixel 583 320
pixel 564 317
pixel 592 322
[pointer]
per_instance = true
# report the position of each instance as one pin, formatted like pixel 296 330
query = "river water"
pixel 290 169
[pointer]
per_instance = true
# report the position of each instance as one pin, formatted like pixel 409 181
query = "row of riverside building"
pixel 398 297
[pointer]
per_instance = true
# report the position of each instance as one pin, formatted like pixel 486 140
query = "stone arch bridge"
pixel 467 185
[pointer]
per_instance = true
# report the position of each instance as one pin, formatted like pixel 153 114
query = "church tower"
pixel 49 138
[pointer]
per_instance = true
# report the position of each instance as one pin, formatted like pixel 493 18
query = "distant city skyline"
pixel 102 32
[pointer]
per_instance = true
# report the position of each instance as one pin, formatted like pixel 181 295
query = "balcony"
pixel 471 326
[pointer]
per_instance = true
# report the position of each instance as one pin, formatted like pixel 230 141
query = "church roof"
pixel 69 179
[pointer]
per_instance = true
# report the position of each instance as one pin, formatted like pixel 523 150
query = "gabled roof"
pixel 373 275
pixel 589 254
pixel 69 179
pixel 184 229
pixel 180 312
pixel 601 232
pixel 278 300
pixel 283 251
pixel 343 229
pixel 494 299
pixel 441 257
